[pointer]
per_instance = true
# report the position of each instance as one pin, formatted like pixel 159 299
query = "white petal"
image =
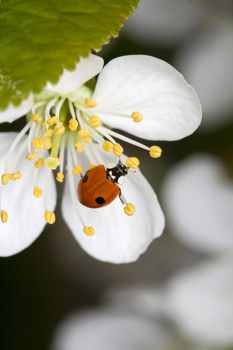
pixel 118 238
pixel 200 302
pixel 170 107
pixel 109 330
pixel 69 81
pixel 163 22
pixel 26 213
pixel 199 201
pixel 207 62
pixel 14 112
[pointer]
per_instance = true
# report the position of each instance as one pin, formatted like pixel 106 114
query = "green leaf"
pixel 39 38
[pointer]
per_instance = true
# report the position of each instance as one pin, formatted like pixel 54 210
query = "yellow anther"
pixel 155 151
pixel 50 217
pixel 89 102
pixel 89 230
pixel 132 162
pixel 52 121
pixel 118 149
pixel 48 133
pixel 73 124
pixel 44 125
pixel 48 143
pixel 5 178
pixel 59 130
pixel 94 121
pixel 60 176
pixel 52 163
pixel 107 146
pixel 16 176
pixel 137 117
pixel 77 170
pixel 37 118
pixel 85 136
pixel 38 143
pixel 79 147
pixel 37 192
pixel 129 209
pixel 31 156
pixel 39 163
pixel 4 216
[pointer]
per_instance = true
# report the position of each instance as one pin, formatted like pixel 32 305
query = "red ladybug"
pixel 100 186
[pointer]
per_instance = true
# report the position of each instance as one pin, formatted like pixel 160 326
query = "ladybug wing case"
pixel 96 190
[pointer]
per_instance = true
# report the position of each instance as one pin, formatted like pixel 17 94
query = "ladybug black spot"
pixel 85 178
pixel 100 200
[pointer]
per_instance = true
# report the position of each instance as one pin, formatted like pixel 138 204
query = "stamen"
pixel 59 106
pixel 104 131
pixel 60 177
pixel 5 178
pixel 4 216
pixel 89 102
pixel 48 143
pixel 59 130
pixel 37 192
pixel 37 119
pixel 155 151
pixel 50 217
pixel 78 147
pixel 107 146
pixel 71 183
pixel 39 163
pixel 118 149
pixel 132 162
pixel 94 121
pixel 48 108
pixel 52 121
pixel 38 143
pixel 16 176
pixel 62 153
pixel 77 170
pixel 137 117
pixel 89 230
pixel 16 142
pixel 31 156
pixel 129 209
pixel 73 124
pixel 48 133
pixel 85 136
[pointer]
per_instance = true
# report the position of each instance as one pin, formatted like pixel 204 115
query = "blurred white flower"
pixel 199 200
pixel 200 301
pixel 109 330
pixel 139 94
pixel 207 62
pixel 163 22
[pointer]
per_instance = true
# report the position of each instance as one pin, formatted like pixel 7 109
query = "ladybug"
pixel 100 186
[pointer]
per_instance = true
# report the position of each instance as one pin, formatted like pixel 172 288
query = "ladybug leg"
pixel 122 199
pixel 129 208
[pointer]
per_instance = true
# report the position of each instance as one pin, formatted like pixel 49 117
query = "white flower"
pixel 109 330
pixel 138 94
pixel 200 301
pixel 199 200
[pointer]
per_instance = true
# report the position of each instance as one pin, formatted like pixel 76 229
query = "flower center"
pixel 66 126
